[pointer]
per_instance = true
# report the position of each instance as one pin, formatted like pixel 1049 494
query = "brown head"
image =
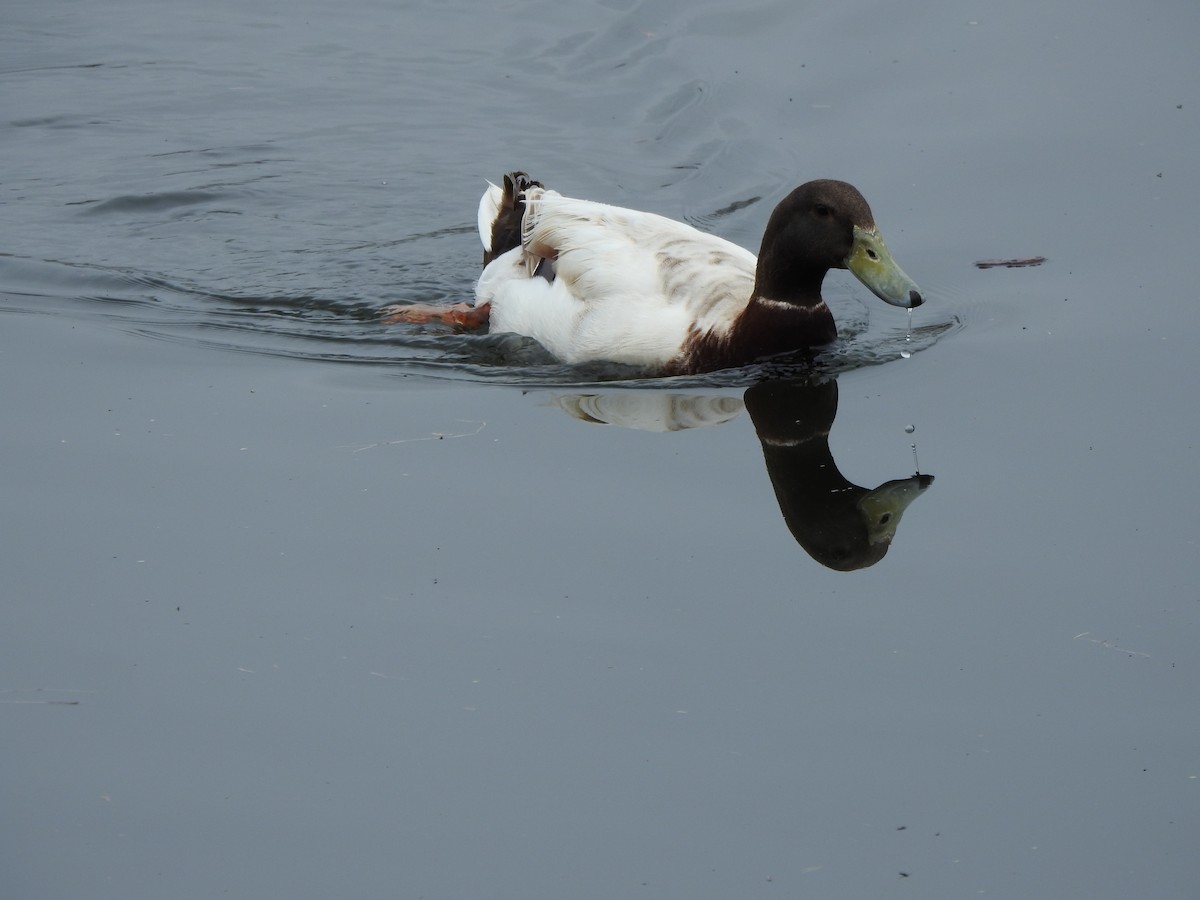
pixel 825 225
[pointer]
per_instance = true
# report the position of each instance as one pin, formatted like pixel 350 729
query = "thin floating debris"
pixel 1015 263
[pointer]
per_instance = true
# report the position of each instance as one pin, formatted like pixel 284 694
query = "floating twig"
pixel 1014 263
pixel 45 690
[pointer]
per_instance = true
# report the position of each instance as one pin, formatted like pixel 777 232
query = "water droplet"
pixel 909 429
pixel 904 354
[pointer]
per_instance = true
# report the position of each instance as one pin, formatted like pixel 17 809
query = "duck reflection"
pixel 841 525
pixel 652 411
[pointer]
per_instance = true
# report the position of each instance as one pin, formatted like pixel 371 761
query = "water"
pixel 304 604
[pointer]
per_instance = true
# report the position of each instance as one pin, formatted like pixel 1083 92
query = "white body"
pixel 628 286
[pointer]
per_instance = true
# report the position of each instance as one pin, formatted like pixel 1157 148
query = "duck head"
pixel 825 225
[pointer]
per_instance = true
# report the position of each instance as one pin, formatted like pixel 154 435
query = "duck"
pixel 594 283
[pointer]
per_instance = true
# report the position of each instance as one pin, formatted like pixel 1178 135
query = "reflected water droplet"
pixel 909 429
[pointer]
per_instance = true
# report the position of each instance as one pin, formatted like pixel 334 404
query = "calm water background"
pixel 301 605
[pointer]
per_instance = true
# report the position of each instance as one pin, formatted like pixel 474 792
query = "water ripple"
pixel 347 330
pixel 161 202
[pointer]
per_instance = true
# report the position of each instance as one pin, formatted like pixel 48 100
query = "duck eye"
pixel 823 211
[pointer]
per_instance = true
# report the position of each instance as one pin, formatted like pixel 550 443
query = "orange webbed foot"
pixel 461 316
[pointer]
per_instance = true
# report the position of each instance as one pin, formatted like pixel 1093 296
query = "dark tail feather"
pixel 506 230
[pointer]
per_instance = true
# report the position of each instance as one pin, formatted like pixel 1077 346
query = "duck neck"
pixel 782 274
pixel 786 310
pixel 768 326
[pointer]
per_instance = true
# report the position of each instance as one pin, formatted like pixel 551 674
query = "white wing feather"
pixel 489 211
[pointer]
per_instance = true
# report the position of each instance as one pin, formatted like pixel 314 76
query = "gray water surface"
pixel 300 604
